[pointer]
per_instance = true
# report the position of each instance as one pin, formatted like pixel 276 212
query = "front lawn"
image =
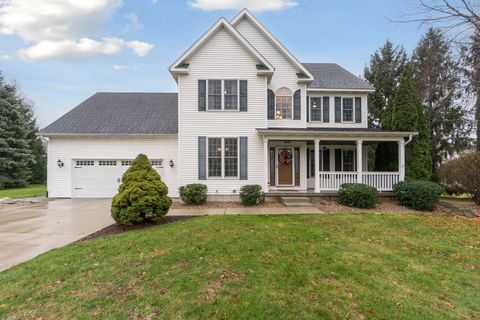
pixel 32 190
pixel 340 266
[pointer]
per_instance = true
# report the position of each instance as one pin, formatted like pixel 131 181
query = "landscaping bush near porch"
pixel 251 194
pixel 141 196
pixel 357 195
pixel 195 193
pixel 418 195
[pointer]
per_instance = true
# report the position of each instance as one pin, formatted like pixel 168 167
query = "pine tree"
pixel 436 75
pixel 471 59
pixel 407 115
pixel 384 72
pixel 15 155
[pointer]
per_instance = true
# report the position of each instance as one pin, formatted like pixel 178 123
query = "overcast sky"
pixel 62 51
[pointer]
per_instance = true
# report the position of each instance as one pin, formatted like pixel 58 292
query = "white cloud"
pixel 254 5
pixel 65 28
pixel 140 48
pixel 133 22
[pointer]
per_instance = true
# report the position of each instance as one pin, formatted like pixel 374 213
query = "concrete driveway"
pixel 27 231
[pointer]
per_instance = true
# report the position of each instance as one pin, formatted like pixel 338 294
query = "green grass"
pixel 375 266
pixel 32 190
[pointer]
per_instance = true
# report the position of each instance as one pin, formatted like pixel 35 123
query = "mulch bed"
pixel 118 228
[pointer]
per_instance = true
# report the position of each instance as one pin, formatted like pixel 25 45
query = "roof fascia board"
pixel 340 90
pixel 246 13
pixel 335 135
pixel 106 135
pixel 222 22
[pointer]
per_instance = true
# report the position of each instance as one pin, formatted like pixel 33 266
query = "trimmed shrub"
pixel 462 175
pixel 250 194
pixel 141 196
pixel 418 195
pixel 195 193
pixel 357 195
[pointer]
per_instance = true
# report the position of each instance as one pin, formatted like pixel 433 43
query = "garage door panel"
pixel 100 178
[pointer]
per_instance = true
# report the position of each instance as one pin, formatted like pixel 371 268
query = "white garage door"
pixel 101 178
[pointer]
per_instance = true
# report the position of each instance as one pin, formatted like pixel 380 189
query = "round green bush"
pixel 195 193
pixel 251 194
pixel 357 195
pixel 418 195
pixel 141 196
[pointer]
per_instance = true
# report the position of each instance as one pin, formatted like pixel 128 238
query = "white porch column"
pixel 266 165
pixel 317 165
pixel 401 159
pixel 359 161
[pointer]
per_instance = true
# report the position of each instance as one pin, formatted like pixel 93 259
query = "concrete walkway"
pixel 27 231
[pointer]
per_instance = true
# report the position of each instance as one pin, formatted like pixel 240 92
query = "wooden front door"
pixel 285 160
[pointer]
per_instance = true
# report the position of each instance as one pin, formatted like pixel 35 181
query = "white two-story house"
pixel 247 112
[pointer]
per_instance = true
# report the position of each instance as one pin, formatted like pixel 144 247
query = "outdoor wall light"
pixel 171 163
pixel 60 163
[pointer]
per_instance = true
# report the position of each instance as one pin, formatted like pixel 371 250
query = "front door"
pixel 285 161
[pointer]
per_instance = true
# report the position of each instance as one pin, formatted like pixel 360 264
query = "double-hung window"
pixel 348 160
pixel 283 104
pixel 223 95
pixel 223 157
pixel 347 110
pixel 230 94
pixel 214 94
pixel 315 109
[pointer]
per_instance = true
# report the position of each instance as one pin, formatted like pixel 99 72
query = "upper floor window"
pixel 231 94
pixel 214 94
pixel 283 104
pixel 315 109
pixel 347 110
pixel 223 95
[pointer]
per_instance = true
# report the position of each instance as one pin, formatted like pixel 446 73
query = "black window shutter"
pixel 243 95
pixel 326 109
pixel 308 108
pixel 326 160
pixel 202 158
pixel 338 109
pixel 270 105
pixel 243 158
pixel 297 105
pixel 338 159
pixel 308 163
pixel 202 95
pixel 358 109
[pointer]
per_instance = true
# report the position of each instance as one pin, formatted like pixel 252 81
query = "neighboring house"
pixel 247 112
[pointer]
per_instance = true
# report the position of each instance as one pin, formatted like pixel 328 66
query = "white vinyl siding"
pixel 221 57
pixel 121 150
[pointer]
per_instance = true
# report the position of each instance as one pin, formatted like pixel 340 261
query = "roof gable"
pixel 245 14
pixel 180 66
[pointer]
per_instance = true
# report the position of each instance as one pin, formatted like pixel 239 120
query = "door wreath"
pixel 285 157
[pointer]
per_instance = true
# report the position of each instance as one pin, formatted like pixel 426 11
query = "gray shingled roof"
pixel 332 76
pixel 120 113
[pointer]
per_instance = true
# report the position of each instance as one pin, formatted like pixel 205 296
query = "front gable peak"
pixel 181 65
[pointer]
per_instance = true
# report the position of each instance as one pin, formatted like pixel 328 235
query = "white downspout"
pixel 410 138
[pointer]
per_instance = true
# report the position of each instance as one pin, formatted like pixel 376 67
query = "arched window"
pixel 283 104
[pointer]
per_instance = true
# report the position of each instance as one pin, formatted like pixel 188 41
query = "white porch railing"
pixel 382 181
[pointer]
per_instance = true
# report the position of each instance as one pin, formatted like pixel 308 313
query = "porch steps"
pixel 296 201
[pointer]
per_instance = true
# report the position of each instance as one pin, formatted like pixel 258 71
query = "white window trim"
pixel 321 109
pixel 222 85
pixel 275 102
pixel 222 162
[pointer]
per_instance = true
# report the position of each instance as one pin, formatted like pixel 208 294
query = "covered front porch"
pixel 307 161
